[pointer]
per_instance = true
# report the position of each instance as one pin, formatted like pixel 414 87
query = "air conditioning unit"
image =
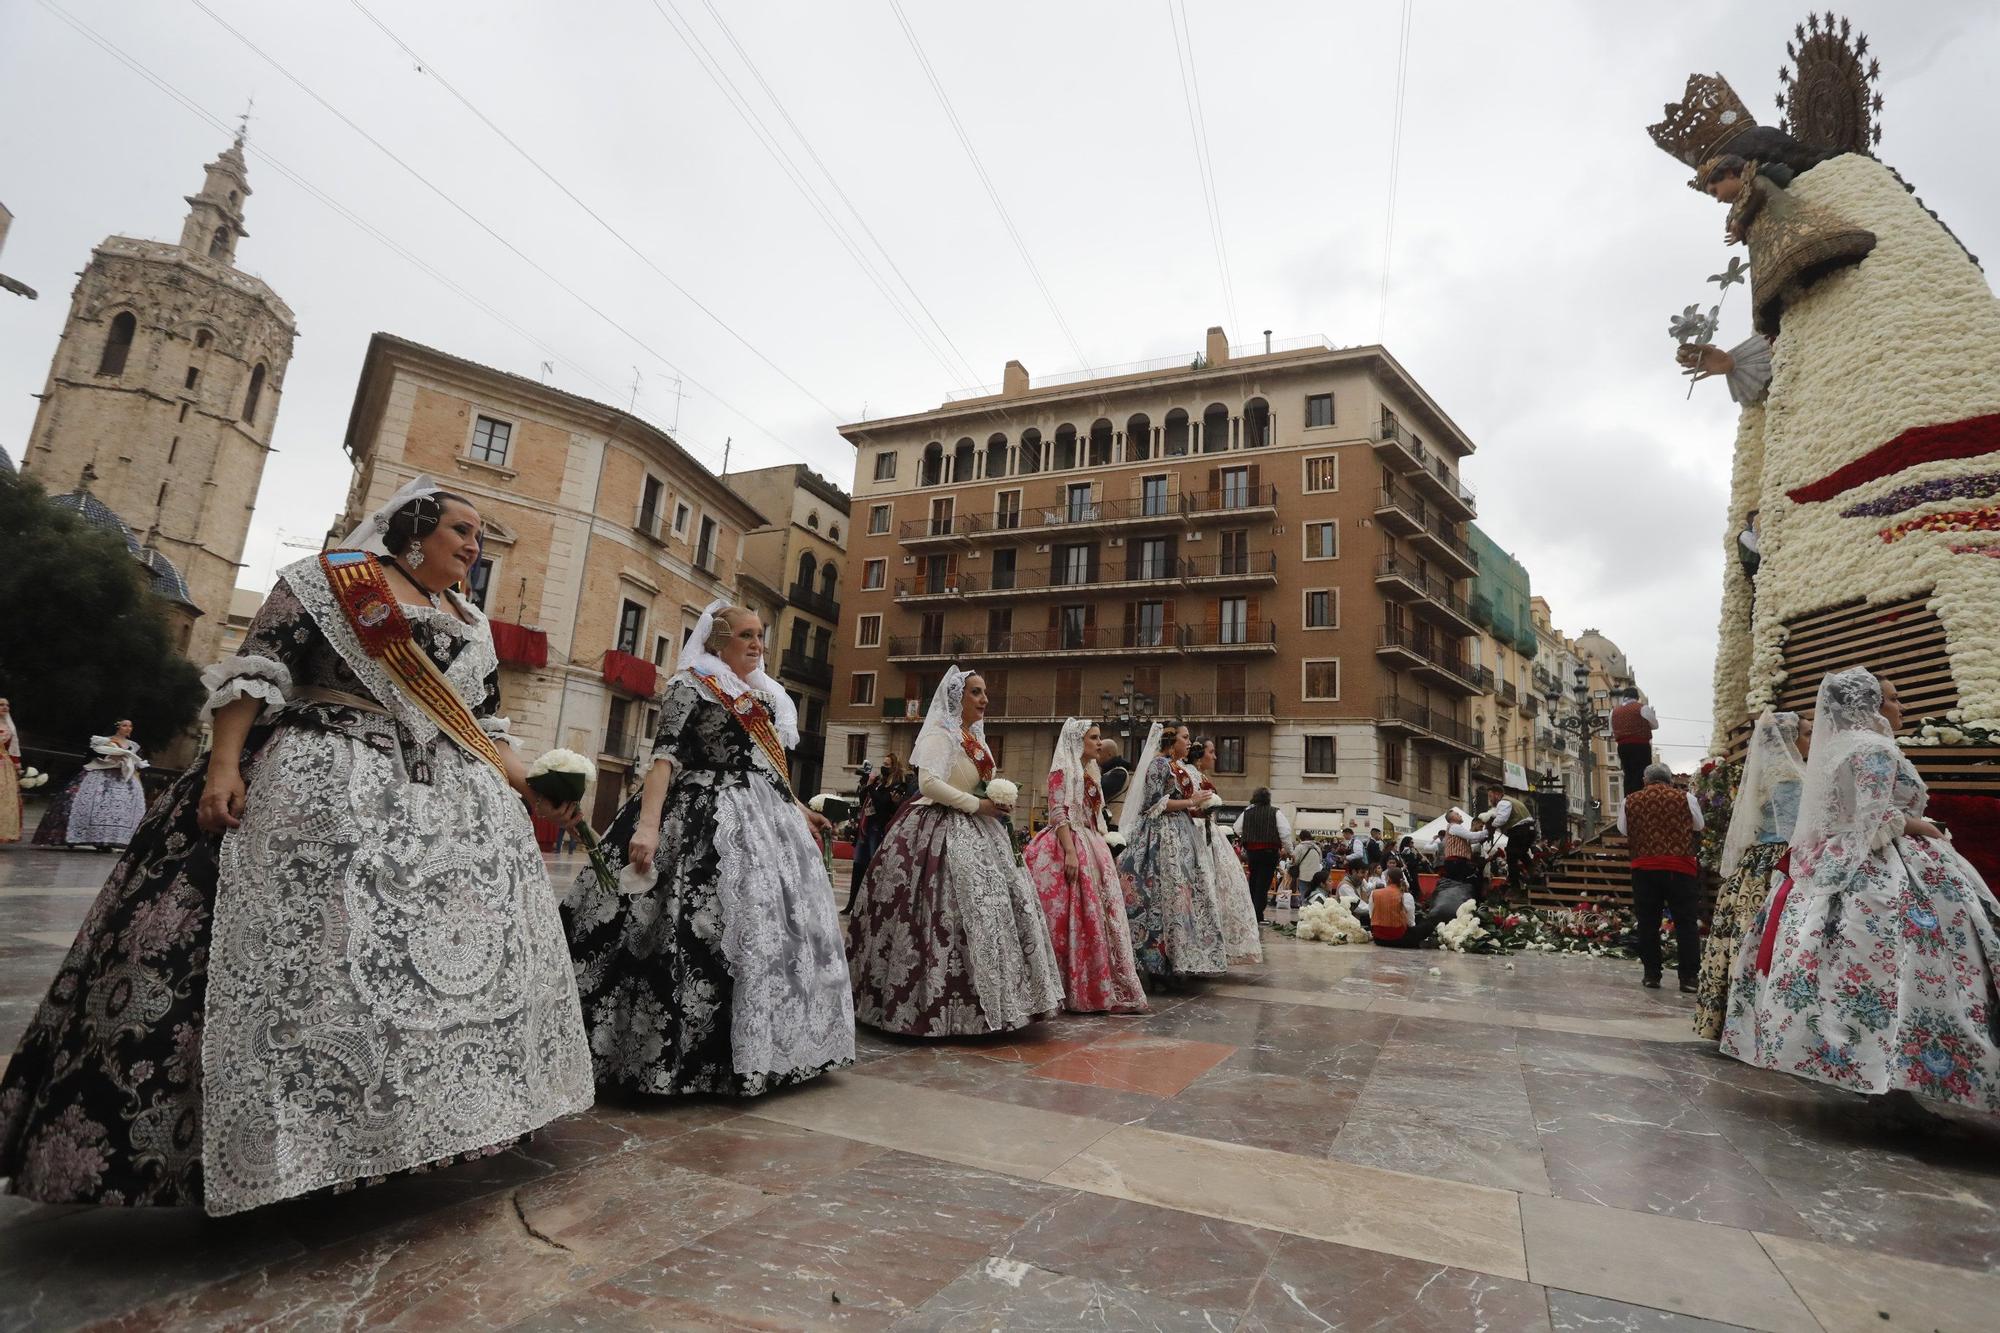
pixel 1194 536
pixel 909 560
pixel 1117 541
pixel 1043 549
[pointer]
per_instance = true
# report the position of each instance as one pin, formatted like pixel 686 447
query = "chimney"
pixel 1014 381
pixel 1217 350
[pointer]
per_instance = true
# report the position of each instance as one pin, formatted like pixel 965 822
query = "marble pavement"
pixel 1337 1139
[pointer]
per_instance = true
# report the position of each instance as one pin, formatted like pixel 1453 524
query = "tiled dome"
pixel 167 579
pixel 96 513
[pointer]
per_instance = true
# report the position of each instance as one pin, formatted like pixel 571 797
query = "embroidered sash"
pixel 981 757
pixel 362 592
pixel 755 719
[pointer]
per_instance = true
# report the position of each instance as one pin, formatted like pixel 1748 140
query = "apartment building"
pixel 604 539
pixel 1264 542
pixel 802 550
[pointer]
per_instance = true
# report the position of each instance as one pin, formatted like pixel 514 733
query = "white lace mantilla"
pixel 389 984
pixel 792 1006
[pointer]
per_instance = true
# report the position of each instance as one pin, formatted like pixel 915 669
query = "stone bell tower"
pixel 167 384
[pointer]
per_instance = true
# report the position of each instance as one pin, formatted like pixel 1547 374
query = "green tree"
pixel 85 642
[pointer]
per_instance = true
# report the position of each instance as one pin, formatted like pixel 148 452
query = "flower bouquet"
pixel 32 777
pixel 1330 921
pixel 1464 933
pixel 561 777
pixel 999 791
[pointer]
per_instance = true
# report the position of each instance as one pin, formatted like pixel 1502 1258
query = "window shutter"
pixel 1214 480
pixel 1256 477
pixel 1251 618
pixel 1055 618
pixel 1089 620
pixel 1167 617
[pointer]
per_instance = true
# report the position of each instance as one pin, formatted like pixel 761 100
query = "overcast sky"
pixel 1540 240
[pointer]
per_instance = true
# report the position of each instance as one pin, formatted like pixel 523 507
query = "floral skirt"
pixel 729 975
pixel 1232 900
pixel 108 807
pixel 1170 900
pixel 946 934
pixel 1887 986
pixel 1087 924
pixel 297 1006
pixel 1740 900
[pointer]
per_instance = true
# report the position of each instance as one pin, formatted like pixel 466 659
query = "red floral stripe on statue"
pixel 1984 519
pixel 1920 444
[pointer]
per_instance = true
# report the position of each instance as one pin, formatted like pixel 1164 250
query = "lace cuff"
pixel 235 678
pixel 1750 378
pixel 500 729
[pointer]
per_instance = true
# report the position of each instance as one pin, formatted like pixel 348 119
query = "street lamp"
pixel 1585 722
pixel 1129 709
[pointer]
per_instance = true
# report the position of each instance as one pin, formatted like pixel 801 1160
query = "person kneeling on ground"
pixel 1446 899
pixel 1393 912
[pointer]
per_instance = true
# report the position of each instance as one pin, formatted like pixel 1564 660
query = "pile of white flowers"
pixel 1953 729
pixel 1462 929
pixel 1330 922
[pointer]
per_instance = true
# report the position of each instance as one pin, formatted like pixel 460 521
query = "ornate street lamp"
pixel 1585 721
pixel 1130 709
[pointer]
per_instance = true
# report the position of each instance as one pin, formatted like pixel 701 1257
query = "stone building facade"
pixel 166 385
pixel 604 539
pixel 802 551
pixel 1264 543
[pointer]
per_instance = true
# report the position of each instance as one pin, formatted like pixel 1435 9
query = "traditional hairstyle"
pixel 723 628
pixel 1169 733
pixel 418 519
pixel 1196 751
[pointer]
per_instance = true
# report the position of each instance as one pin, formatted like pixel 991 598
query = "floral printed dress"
pixel 109 802
pixel 1889 981
pixel 1741 899
pixel 729 974
pixel 1087 922
pixel 367 977
pixel 947 936
pixel 1169 898
pixel 1233 906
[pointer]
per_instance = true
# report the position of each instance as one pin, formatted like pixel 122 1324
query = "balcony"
pixel 923 589
pixel 1396 447
pixel 1447 550
pixel 1400 580
pixel 1246 569
pixel 1452 496
pixel 1508 694
pixel 1229 503
pixel 1156 511
pixel 806 669
pixel 1259 636
pixel 1399 512
pixel 1394 714
pixel 803 597
pixel 1256 636
pixel 958 530
pixel 1483 678
pixel 1399 647
pixel 1223 706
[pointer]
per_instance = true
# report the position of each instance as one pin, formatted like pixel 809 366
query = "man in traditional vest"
pixel 1265 833
pixel 1455 846
pixel 1512 817
pixel 1392 911
pixel 1632 724
pixel 1660 822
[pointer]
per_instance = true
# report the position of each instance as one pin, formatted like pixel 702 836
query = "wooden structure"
pixel 1902 641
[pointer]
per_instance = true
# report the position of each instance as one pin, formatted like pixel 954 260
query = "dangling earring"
pixel 414 556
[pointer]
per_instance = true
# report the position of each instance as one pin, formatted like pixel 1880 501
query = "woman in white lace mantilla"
pixel 331 952
pixel 1876 967
pixel 717 965
pixel 948 937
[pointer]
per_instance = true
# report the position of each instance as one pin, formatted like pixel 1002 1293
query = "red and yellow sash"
pixel 755 719
pixel 981 757
pixel 362 591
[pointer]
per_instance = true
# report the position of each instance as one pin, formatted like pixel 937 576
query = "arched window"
pixel 833 533
pixel 202 337
pixel 812 520
pixel 1215 429
pixel 1174 435
pixel 1100 442
pixel 829 581
pixel 118 344
pixel 963 459
pixel 1138 438
pixel 255 392
pixel 1256 424
pixel 1066 446
pixel 808 567
pixel 1028 460
pixel 931 471
pixel 996 456
pixel 218 248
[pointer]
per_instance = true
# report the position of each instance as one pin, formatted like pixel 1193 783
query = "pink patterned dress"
pixel 1086 921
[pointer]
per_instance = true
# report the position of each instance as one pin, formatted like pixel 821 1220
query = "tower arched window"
pixel 255 392
pixel 202 337
pixel 829 581
pixel 812 520
pixel 808 567
pixel 118 344
pixel 218 248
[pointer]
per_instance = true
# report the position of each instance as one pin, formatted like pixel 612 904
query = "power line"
pixel 1395 170
pixel 432 186
pixel 263 155
pixel 427 68
pixel 1204 162
pixel 769 142
pixel 992 192
pixel 813 153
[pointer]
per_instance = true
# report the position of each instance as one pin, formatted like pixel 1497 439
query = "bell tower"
pixel 167 383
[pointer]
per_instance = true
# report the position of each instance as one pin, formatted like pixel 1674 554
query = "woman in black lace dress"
pixel 726 972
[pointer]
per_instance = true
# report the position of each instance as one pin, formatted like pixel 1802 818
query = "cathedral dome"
pixel 1608 654
pixel 96 513
pixel 168 582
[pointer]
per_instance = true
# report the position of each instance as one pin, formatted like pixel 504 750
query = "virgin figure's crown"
pixel 1706 118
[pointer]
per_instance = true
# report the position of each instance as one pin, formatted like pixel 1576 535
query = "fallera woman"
pixel 1169 897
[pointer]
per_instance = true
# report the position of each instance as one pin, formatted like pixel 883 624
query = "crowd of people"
pixel 332 953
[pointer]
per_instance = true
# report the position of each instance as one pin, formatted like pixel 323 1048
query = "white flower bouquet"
pixel 1330 921
pixel 1002 793
pixel 561 777
pixel 32 777
pixel 1463 932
